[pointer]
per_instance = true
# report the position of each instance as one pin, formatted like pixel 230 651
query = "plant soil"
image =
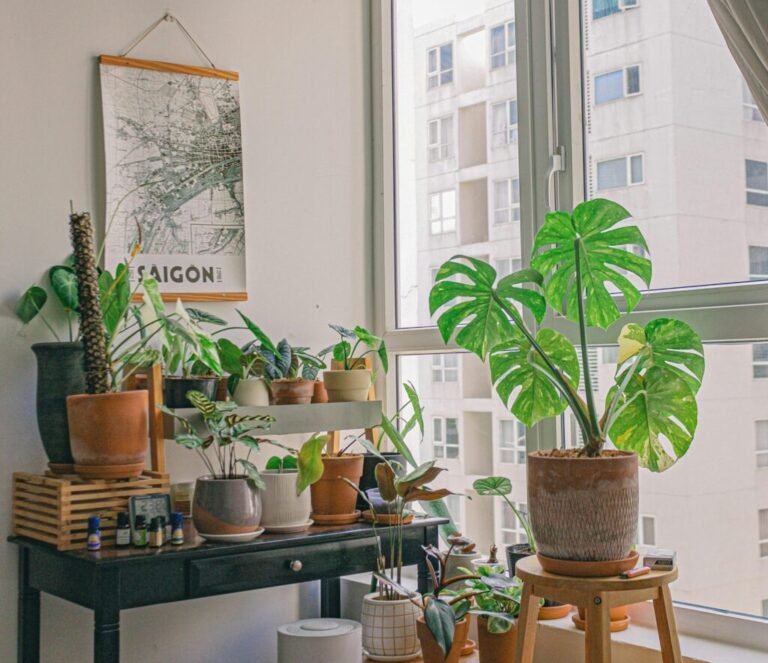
pixel 578 453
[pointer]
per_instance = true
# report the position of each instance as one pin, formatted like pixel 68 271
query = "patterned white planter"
pixel 389 629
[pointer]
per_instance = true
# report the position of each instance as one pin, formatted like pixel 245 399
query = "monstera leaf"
pixel 590 233
pixel 474 303
pixel 517 369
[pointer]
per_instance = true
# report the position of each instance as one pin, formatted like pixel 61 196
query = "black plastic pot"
pixel 368 479
pixel 517 552
pixel 59 374
pixel 176 388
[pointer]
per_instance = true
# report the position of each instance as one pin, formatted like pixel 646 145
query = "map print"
pixel 174 176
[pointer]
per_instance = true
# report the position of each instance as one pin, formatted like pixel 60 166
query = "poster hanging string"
pixel 170 18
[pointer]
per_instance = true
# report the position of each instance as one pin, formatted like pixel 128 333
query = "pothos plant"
pixel 354 345
pixel 651 408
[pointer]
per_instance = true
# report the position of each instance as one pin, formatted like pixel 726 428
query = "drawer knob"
pixel 295 565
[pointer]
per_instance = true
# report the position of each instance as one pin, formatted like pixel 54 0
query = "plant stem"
pixel 523 521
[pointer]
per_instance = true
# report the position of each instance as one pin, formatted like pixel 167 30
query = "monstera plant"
pixel 580 263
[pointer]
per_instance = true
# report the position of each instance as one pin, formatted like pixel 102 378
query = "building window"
pixel 765 607
pixel 646 531
pixel 609 354
pixel 512 442
pixel 503 45
pixel 758 262
pixel 760 360
pixel 506 201
pixel 762 516
pixel 511 528
pixel 445 367
pixel 504 123
pixel 751 111
pixel 440 133
pixel 442 212
pixel 453 502
pixel 757 182
pixel 507 266
pixel 617 84
pixel 439 66
pixel 761 442
pixel 620 172
pixel 601 8
pixel 445 437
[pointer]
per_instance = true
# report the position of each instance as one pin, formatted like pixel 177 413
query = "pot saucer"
pixel 289 529
pixel 336 518
pixel 393 658
pixel 602 569
pixel 232 538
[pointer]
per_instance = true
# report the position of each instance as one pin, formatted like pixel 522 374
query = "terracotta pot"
pixel 619 619
pixel 389 627
pixel 280 505
pixel 293 392
pixel 495 647
pixel 431 652
pixel 319 395
pixel 331 495
pixel 583 509
pixel 252 392
pixel 554 610
pixel 226 506
pixel 175 389
pixel 108 433
pixel 346 386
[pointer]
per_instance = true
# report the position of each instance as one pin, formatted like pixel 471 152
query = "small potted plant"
pixel 353 380
pixel 286 504
pixel 334 496
pixel 293 373
pixel 245 366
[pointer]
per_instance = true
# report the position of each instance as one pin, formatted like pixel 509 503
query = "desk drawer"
pixel 235 573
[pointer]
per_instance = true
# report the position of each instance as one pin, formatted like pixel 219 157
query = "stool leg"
pixel 665 624
pixel 597 639
pixel 526 625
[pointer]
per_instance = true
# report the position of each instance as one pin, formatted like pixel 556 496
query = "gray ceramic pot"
pixel 226 506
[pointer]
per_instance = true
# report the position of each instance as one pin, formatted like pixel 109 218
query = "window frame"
pixel 519 531
pixel 515 448
pixel 622 7
pixel 444 435
pixel 627 171
pixel 441 219
pixel 445 142
pixel 438 73
pixel 443 369
pixel 624 83
pixel 760 453
pixel 507 49
pixel 510 130
pixel 761 192
pixel 512 209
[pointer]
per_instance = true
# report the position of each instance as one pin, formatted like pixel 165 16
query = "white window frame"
pixel 518 533
pixel 624 5
pixel 517 449
pixel 510 52
pixel 624 83
pixel 441 149
pixel 640 531
pixel 443 442
pixel 762 538
pixel 753 275
pixel 515 264
pixel 510 132
pixel 751 111
pixel 512 210
pixel 762 192
pixel 756 363
pixel 441 218
pixel 444 372
pixel 628 171
pixel 438 73
pixel 760 453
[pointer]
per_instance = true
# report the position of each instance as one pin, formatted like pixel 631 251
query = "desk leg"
pixel 106 613
pixel 330 597
pixel 28 635
pixel 665 624
pixel 598 631
pixel 424 580
pixel 527 623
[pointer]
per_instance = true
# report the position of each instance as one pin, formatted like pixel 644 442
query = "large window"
pixel 757 182
pixel 620 172
pixel 512 447
pixel 506 201
pixel 504 120
pixel 617 84
pixel 439 66
pixel 440 133
pixel 503 45
pixel 445 437
pixel 442 212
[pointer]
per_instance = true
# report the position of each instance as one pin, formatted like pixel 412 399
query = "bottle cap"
pixel 123 519
pixel 94 522
pixel 141 521
pixel 156 524
pixel 177 519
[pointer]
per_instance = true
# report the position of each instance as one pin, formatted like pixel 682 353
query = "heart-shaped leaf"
pixel 494 486
pixel 64 285
pixel 30 303
pixel 310 462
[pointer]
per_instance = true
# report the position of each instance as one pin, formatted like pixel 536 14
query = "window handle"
pixel 556 165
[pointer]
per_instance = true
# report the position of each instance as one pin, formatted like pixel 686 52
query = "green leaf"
pixel 519 373
pixel 417 414
pixel 398 441
pixel 253 473
pixel 381 351
pixel 290 463
pixel 343 331
pixel 602 253
pixel 310 462
pixel 493 486
pixel 265 341
pixel 199 315
pixel 274 463
pixel 441 623
pixel 209 353
pixel 30 303
pixel 64 285
pixel 115 294
pixel 656 418
pixel 470 303
pixel 230 356
pixel 341 351
pixel 190 440
pixel 204 405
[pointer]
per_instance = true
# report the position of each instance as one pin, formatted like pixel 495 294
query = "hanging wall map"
pixel 174 174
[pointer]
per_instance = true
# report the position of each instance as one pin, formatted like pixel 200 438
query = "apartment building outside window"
pixel 762 517
pixel 442 212
pixel 439 66
pixel 751 111
pixel 609 354
pixel 503 45
pixel 445 367
pixel 617 84
pixel 602 8
pixel 504 122
pixel 761 442
pixel 757 182
pixel 760 360
pixel 440 136
pixel 445 437
pixel 620 172
pixel 646 531
pixel 512 447
pixel 758 262
pixel 506 266
pixel 511 528
pixel 506 201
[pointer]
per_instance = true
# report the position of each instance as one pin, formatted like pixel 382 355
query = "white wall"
pixel 305 106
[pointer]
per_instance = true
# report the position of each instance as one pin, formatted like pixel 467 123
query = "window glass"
pixel 633 79
pixel 636 169
pixel 762 519
pixel 761 442
pixel 609 87
pixel 758 262
pixel 612 174
pixel 760 360
pixel 601 8
pixel 751 111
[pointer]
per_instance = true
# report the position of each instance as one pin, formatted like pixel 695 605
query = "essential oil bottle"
pixel 123 530
pixel 157 532
pixel 177 528
pixel 94 533
pixel 140 532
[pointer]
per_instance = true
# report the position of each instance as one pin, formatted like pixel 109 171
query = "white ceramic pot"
pixel 345 386
pixel 280 506
pixel 251 392
pixel 459 560
pixel 483 563
pixel 389 628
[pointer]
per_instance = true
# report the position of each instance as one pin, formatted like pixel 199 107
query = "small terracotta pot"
pixel 331 495
pixel 346 386
pixel 226 506
pixel 619 619
pixel 495 647
pixel 292 392
pixel 108 433
pixel 431 652
pixel 320 395
pixel 553 611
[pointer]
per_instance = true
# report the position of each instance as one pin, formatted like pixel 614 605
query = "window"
pixel 445 367
pixel 758 262
pixel 440 134
pixel 761 442
pixel 442 212
pixel 617 84
pixel 439 66
pixel 646 531
pixel 757 182
pixel 453 502
pixel 445 437
pixel 504 121
pixel 760 360
pixel 511 527
pixel 506 201
pixel 621 172
pixel 506 266
pixel 762 516
pixel 512 442
pixel 609 354
pixel 601 8
pixel 503 45
pixel 751 111
pixel 765 607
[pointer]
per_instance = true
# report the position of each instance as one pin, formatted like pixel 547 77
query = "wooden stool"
pixel 596 596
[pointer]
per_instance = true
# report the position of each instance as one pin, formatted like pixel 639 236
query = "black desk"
pixel 112 580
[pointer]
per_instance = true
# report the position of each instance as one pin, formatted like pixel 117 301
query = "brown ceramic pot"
pixel 320 395
pixel 293 392
pixel 431 652
pixel 583 509
pixel 333 499
pixel 619 619
pixel 495 647
pixel 108 433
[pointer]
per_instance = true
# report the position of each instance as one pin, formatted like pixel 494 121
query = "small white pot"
pixel 483 563
pixel 459 560
pixel 389 628
pixel 251 392
pixel 280 505
pixel 345 386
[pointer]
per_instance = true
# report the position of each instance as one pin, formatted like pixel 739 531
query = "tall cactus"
pixel 91 320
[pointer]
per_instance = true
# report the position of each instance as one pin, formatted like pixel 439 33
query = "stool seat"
pixel 597 596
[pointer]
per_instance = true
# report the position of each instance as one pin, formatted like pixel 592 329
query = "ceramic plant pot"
pixel 459 560
pixel 251 392
pixel 495 647
pixel 368 480
pixel 281 507
pixel 175 389
pixel 226 506
pixel 319 395
pixel 59 374
pixel 345 386
pixel 550 609
pixel 431 652
pixel 333 499
pixel 583 509
pixel 293 392
pixel 618 616
pixel 389 628
pixel 108 433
